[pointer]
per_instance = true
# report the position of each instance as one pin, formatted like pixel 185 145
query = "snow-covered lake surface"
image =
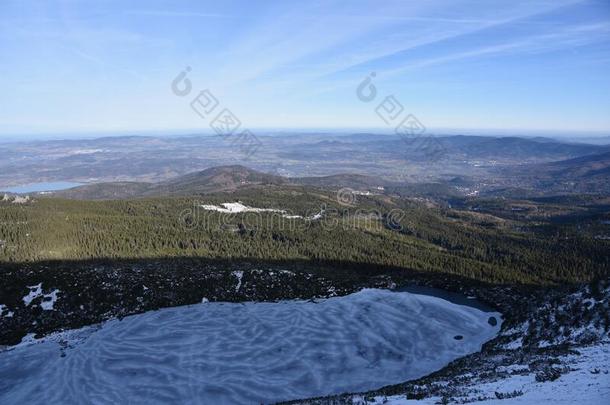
pixel 249 353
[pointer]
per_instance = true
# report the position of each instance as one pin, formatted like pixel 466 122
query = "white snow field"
pixel 246 353
pixel 588 382
pixel 236 208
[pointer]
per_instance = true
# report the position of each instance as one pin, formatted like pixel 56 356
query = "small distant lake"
pixel 37 187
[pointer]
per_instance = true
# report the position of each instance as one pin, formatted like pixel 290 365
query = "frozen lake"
pixel 249 353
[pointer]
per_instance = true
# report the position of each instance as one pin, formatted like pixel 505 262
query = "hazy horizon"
pixel 484 132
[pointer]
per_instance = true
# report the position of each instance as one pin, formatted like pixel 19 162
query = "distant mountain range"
pixel 587 174
pixel 141 166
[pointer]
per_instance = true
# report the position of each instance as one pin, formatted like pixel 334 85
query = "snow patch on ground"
pixel 515 344
pixel 48 300
pixel 238 275
pixel 4 311
pixel 317 216
pixel 588 382
pixel 396 400
pixel 246 353
pixel 21 200
pixel 233 208
pixel 238 207
pixel 35 292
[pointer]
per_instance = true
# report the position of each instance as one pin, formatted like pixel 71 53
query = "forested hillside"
pixel 372 229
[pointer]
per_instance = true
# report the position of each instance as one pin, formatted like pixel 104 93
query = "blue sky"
pixel 107 66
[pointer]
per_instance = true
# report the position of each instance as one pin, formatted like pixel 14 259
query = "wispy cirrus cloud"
pixel 569 37
pixel 348 42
